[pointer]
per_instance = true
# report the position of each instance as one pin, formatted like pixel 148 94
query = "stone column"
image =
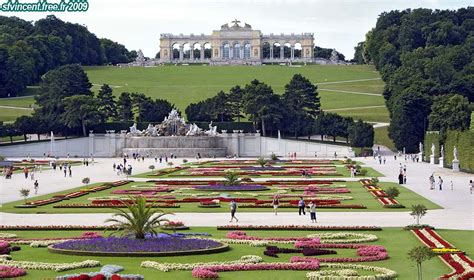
pixel 282 52
pixel 292 52
pixel 191 53
pixel 202 52
pixel 181 53
pixel 231 52
pixel 271 52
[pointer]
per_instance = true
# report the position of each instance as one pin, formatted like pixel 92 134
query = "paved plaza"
pixel 457 212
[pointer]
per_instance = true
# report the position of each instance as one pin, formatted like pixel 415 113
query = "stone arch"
pixel 186 50
pixel 286 50
pixel 247 50
pixel 175 50
pixel 207 50
pixel 225 50
pixel 265 50
pixel 276 50
pixel 297 50
pixel 236 48
pixel 197 46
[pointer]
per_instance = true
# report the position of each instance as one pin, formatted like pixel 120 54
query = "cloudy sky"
pixel 137 24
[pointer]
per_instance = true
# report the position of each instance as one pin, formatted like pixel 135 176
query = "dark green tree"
pixel 107 102
pixel 25 125
pixel 124 107
pixel 235 102
pixel 81 111
pixel 361 134
pixel 301 102
pixel 409 120
pixel 261 104
pixel 58 84
pixel 359 53
pixel 450 112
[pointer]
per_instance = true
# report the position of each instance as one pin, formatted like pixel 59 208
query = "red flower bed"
pixel 57 227
pixel 109 205
pixel 296 227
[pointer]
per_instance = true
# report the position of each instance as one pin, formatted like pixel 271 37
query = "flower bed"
pixel 296 227
pixel 11 272
pixel 337 206
pixel 243 236
pixel 349 271
pixel 463 266
pixel 58 227
pixel 49 266
pixel 273 251
pixel 165 267
pixel 108 272
pixel 174 225
pixel 161 246
pixel 366 253
pixel 231 188
pixel 211 271
pixel 110 205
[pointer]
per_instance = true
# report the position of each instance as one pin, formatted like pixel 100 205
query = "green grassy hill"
pixel 352 87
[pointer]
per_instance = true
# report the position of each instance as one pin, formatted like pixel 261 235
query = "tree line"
pixel 27 50
pixel 426 59
pixel 296 112
pixel 66 105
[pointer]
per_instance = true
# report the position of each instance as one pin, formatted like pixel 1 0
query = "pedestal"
pixel 432 159
pixel 455 165
pixel 441 162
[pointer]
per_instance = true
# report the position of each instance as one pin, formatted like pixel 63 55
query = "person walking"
pixel 70 171
pixel 275 203
pixel 471 186
pixel 432 182
pixel 301 206
pixel 65 171
pixel 25 171
pixel 400 178
pixel 36 186
pixel 384 160
pixel 312 211
pixel 233 209
pixel 440 183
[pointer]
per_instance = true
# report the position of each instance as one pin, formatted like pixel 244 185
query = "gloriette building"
pixel 236 44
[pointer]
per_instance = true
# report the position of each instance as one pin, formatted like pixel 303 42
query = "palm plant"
pixel 418 211
pixel 231 178
pixel 140 218
pixel 24 193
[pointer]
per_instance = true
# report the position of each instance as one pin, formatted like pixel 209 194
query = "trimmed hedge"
pixel 431 137
pixel 464 142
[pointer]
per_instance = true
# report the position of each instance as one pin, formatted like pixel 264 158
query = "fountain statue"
pixel 455 153
pixel 173 125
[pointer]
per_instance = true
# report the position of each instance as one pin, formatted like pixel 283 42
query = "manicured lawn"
pixel 182 85
pixel 397 242
pixel 379 114
pixel 381 138
pixel 358 193
pixel 24 101
pixel 10 114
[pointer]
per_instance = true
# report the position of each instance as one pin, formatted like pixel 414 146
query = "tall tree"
pixel 450 112
pixel 301 101
pixel 107 102
pixel 124 107
pixel 235 101
pixel 261 104
pixel 58 84
pixel 409 120
pixel 361 134
pixel 81 111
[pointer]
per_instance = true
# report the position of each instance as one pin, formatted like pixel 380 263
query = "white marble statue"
pixel 421 148
pixel 432 149
pixel 193 130
pixel 212 130
pixel 455 153
pixel 441 154
pixel 134 130
pixel 150 130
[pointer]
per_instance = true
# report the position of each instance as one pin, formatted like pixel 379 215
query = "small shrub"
pixel 375 180
pixel 24 193
pixel 363 172
pixel 86 180
pixel 151 167
pixel 273 156
pixel 392 192
pixel 262 161
pixel 170 163
pixel 185 160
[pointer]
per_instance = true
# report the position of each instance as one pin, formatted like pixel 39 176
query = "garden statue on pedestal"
pixel 432 156
pixel 455 160
pixel 441 157
pixel 420 147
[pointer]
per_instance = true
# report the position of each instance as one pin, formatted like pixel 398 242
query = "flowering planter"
pixel 175 228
